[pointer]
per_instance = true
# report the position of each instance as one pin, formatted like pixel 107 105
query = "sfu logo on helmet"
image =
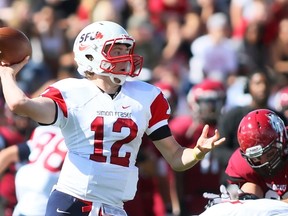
pixel 90 36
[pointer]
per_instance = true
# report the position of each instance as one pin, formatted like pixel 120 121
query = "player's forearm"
pixel 7 157
pixel 14 96
pixel 186 158
pixel 178 157
pixel 39 109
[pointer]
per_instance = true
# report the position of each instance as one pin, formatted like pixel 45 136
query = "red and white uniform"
pixel 239 172
pixel 35 180
pixel 259 207
pixel 103 136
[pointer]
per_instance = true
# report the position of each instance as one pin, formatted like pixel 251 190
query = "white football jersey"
pixel 259 207
pixel 34 181
pixel 103 136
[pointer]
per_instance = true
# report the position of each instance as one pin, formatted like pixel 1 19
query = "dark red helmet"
pixel 206 100
pixel 167 89
pixel 262 138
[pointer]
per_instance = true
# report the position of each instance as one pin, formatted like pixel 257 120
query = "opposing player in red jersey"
pixel 206 100
pixel 103 119
pixel 42 157
pixel 260 165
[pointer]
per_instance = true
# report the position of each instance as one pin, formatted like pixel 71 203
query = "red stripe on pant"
pixel 88 206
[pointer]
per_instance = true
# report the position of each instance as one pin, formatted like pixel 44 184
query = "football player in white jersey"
pixel 43 156
pixel 102 119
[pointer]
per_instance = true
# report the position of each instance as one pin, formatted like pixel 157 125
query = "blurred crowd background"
pixel 240 44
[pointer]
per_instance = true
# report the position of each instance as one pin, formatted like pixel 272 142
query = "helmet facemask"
pixel 265 161
pixel 133 62
pixel 119 67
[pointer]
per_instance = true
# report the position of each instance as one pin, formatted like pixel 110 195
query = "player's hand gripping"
pixel 205 144
pixel 13 69
pixel 214 199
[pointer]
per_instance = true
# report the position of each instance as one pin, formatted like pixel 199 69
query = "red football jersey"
pixel 240 172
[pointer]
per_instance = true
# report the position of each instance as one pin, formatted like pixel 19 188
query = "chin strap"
pixel 118 79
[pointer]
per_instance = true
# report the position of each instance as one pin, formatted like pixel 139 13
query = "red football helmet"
pixel 262 137
pixel 206 100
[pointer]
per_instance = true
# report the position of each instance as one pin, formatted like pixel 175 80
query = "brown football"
pixel 14 45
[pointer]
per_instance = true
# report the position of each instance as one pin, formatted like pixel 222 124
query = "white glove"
pixel 232 192
pixel 224 196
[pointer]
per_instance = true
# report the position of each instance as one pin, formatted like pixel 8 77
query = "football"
pixel 14 45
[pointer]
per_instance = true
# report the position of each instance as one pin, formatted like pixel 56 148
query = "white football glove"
pixel 232 192
pixel 214 199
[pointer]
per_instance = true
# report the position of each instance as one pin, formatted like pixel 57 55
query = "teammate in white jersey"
pixel 43 156
pixel 103 119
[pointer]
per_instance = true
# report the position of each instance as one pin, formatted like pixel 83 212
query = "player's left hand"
pixel 205 143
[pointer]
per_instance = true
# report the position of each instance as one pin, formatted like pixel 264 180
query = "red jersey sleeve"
pixel 56 96
pixel 239 171
pixel 160 110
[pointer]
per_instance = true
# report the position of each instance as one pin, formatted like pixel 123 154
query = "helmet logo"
pixel 276 123
pixel 90 36
pixel 98 35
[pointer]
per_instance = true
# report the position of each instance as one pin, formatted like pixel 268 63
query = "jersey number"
pixel 98 126
pixel 50 153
